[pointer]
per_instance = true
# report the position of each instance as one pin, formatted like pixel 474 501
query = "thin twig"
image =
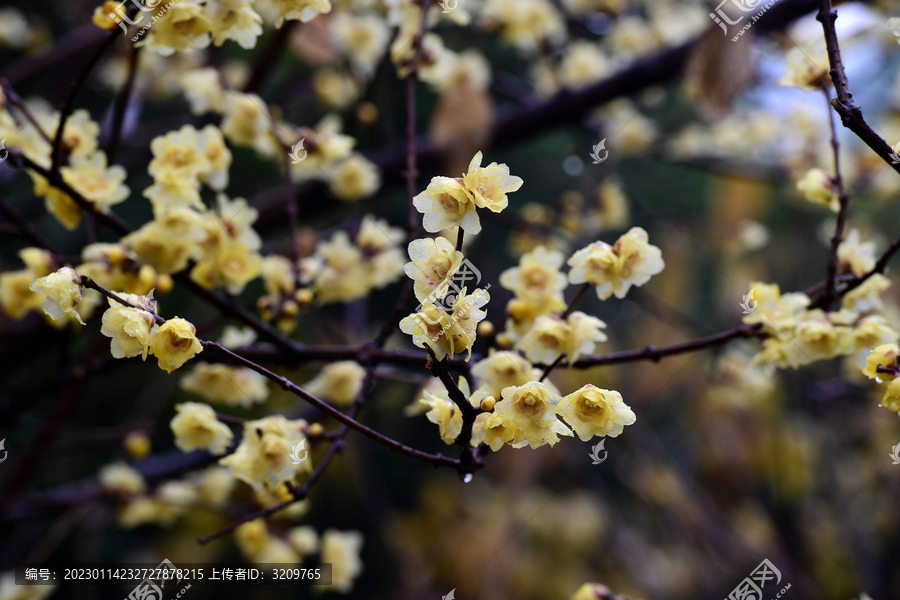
pixel 575 300
pixel 69 104
pixel 25 228
pixel 553 365
pixel 851 114
pixel 122 101
pixel 842 213
pixel 17 101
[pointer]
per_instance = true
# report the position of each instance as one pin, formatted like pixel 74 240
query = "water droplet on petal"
pixel 467 478
pixel 879 380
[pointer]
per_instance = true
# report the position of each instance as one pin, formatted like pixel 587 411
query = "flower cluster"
pixel 798 336
pixel 262 459
pixel 343 271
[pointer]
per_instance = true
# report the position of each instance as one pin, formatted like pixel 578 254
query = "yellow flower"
pixel 884 356
pixel 614 269
pixel 236 22
pixel 169 241
pixel 40 261
pixel 120 477
pixel 302 10
pixel 443 412
pixel 131 329
pixel 263 459
pixel 214 485
pixel 195 426
pixel 778 313
pixel 525 417
pixel 819 338
pixel 502 369
pixel 550 336
pixel 203 90
pixel 185 27
pixel 233 386
pixel 446 203
pixel 137 444
pixel 537 279
pixel 174 343
pixel 246 122
pixel 230 264
pixel 592 411
pixel 363 38
pixel 338 270
pixel 354 178
pixel 583 64
pixel 102 185
pixel 432 261
pixel 304 540
pixel 489 185
pixel 872 331
pixel 526 23
pixel 63 290
pixel 16 295
pixel 805 72
pixel 891 399
pixel 340 383
pixel 867 295
pixel 252 537
pixel 817 186
pixel 57 202
pixel 780 351
pixel 855 256
pixel 79 138
pixel 101 16
pixel 341 550
pixel 447 332
pixel 179 154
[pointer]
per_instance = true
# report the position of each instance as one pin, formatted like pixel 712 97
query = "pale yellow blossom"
pixel 195 426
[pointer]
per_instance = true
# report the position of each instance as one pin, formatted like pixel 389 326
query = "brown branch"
pixel 575 300
pixel 122 101
pixel 17 101
pixel 266 60
pixel 851 114
pixel 109 219
pixel 64 48
pixel 289 386
pixel 25 228
pixel 553 365
pixel 655 354
pixel 842 212
pixel 69 104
